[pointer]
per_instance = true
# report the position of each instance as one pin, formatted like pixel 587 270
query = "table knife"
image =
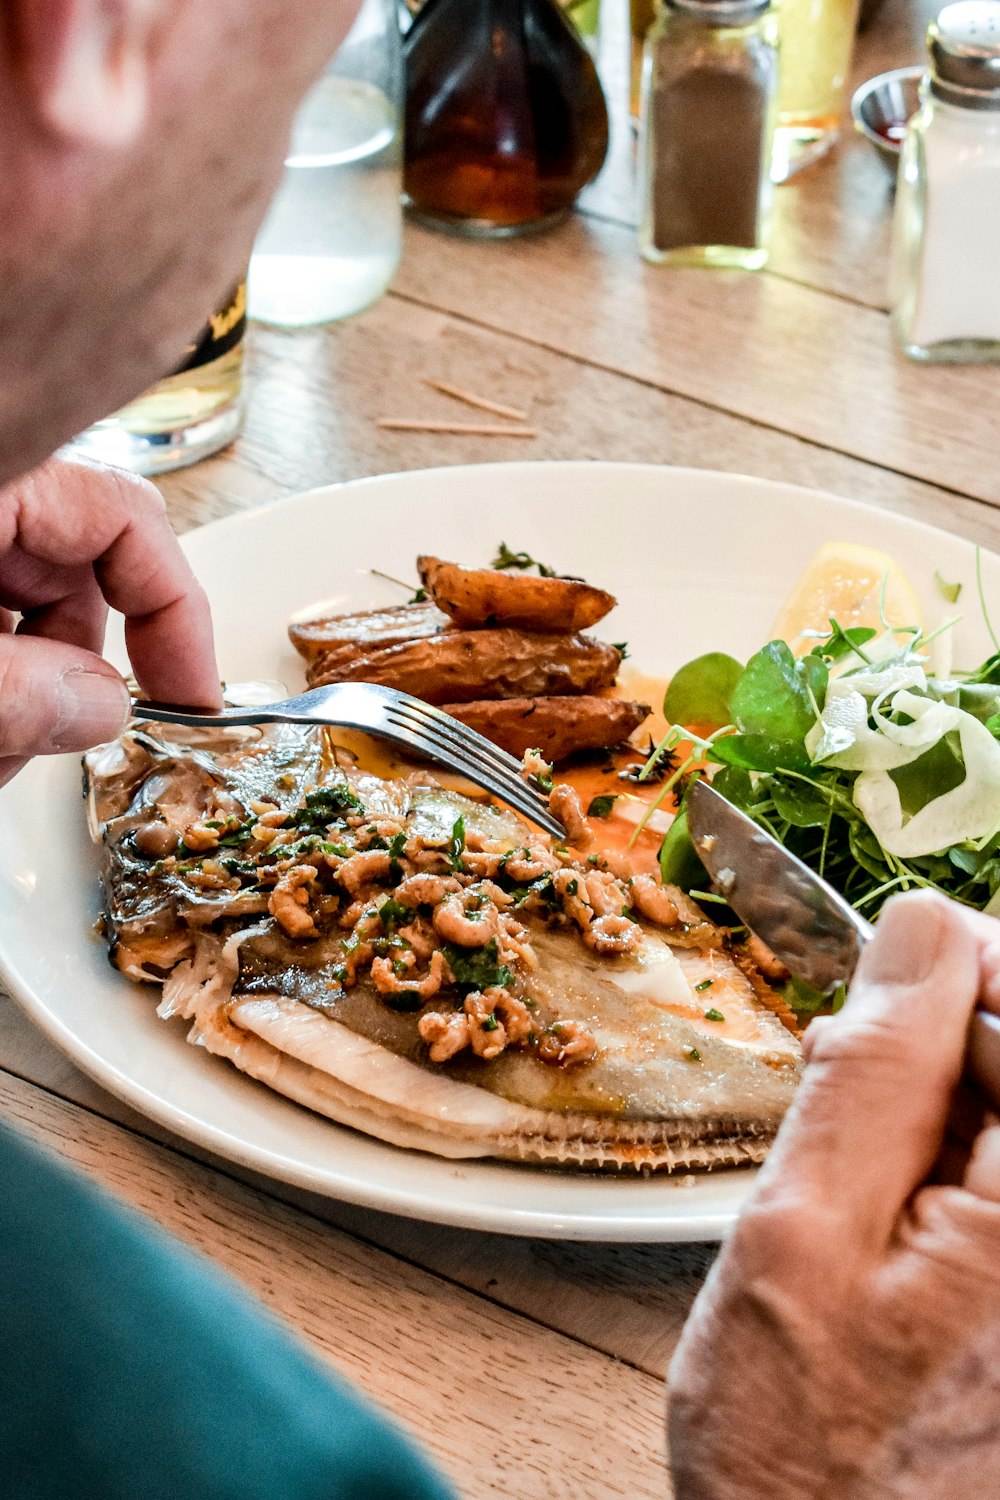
pixel 802 919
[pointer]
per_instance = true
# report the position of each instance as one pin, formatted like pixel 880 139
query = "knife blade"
pixel 802 919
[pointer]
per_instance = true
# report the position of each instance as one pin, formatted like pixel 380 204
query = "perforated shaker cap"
pixel 964 43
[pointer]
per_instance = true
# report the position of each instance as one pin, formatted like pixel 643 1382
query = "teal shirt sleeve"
pixel 131 1370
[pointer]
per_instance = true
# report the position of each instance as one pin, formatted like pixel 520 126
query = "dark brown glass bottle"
pixel 505 118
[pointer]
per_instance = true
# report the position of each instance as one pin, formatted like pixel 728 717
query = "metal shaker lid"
pixel 964 43
pixel 722 12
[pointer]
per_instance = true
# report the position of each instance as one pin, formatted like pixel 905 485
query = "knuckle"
pixel 776 1236
pixel 857 1043
pixel 140 495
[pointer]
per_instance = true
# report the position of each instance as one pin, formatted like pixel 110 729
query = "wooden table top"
pixel 548 1358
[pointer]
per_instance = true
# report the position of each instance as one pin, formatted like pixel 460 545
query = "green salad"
pixel 879 775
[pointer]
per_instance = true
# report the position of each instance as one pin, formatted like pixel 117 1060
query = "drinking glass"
pixel 333 235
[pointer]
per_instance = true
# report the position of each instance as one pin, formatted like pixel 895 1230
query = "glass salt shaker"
pixel 707 127
pixel 944 287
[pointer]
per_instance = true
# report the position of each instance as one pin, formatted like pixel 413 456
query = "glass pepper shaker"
pixel 505 118
pixel 944 284
pixel 707 128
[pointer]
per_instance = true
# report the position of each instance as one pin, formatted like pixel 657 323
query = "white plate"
pixel 700 561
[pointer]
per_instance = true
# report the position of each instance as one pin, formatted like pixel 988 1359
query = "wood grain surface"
pixel 535 1368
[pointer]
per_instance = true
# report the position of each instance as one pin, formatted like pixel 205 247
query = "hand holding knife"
pixel 802 919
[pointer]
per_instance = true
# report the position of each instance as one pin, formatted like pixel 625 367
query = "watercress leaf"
pixel 761 752
pixel 734 783
pixel 815 677
pixel 801 803
pixel 777 695
pixel 679 864
pixel 866 850
pixel 700 691
pixel 980 699
pixel 840 642
pixel 803 998
pixel 988 672
pixel 940 769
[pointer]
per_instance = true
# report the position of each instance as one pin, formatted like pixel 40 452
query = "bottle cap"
pixel 722 12
pixel 964 44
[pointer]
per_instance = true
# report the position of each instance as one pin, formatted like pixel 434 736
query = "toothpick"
pixel 464 429
pixel 481 402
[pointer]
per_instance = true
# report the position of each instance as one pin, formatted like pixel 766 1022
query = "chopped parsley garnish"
pixel 692 1054
pixel 456 844
pixel 236 837
pixel 704 984
pixel 478 968
pixel 542 780
pixel 325 805
pixel 392 911
pixel 622 648
pixel 490 1023
pixel 714 1015
pixel 310 843
pixel 406 1000
pixel 572 886
pixel 396 851
pixel 600 807
pixel 521 561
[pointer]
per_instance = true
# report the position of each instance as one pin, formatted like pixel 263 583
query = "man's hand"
pixel 74 539
pixel 847 1341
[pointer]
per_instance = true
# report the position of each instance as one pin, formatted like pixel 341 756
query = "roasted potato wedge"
pixel 555 726
pixel 367 631
pixel 460 666
pixel 484 596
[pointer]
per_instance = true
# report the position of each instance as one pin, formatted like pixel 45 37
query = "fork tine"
pixel 427 719
pixel 440 728
pixel 519 798
pixel 461 750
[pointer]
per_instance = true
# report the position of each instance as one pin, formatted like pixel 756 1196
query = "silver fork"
pixel 389 715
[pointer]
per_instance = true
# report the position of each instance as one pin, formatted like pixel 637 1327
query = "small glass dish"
pixel 881 108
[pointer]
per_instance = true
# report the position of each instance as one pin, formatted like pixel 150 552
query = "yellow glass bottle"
pixel 817 40
pixel 194 411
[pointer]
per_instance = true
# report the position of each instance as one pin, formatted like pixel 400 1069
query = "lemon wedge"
pixel 846 580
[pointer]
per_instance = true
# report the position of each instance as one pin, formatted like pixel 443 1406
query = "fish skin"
pixel 666 1090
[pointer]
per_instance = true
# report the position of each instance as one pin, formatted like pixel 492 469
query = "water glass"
pixel 332 238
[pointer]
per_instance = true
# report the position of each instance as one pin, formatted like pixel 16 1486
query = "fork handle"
pixel 175 713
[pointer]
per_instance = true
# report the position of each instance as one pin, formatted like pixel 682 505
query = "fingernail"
pixel 92 707
pixel 907 941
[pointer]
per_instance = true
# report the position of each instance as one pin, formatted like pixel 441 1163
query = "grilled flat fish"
pixel 425 968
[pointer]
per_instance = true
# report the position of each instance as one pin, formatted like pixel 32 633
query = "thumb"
pixel 869 1119
pixel 56 697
